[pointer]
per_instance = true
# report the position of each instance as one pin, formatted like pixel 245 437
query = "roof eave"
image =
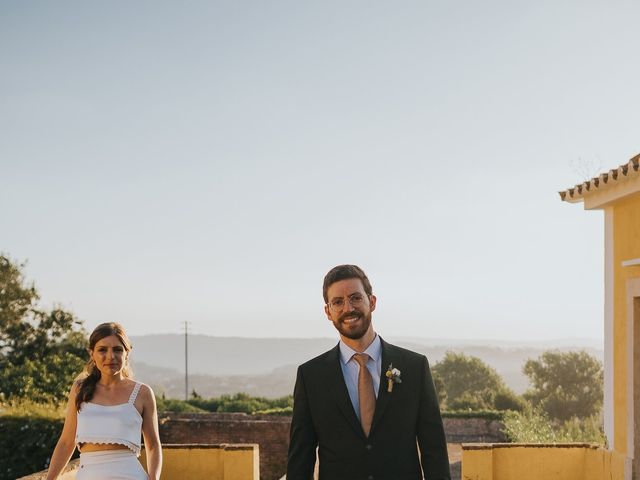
pixel 607 188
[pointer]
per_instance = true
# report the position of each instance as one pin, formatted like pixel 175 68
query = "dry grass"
pixel 27 408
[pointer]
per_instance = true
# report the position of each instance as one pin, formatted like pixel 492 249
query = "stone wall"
pixel 272 434
pixel 473 430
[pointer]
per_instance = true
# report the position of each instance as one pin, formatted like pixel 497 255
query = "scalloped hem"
pixel 101 441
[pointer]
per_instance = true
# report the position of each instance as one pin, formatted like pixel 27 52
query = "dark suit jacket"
pixel 323 416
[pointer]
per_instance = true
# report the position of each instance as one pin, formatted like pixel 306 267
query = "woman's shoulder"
pixel 143 389
pixel 146 397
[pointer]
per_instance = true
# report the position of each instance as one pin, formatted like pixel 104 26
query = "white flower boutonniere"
pixel 393 376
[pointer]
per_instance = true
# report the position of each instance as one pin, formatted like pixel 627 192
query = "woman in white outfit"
pixel 106 415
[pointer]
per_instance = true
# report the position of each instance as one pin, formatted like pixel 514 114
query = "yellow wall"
pixel 535 462
pixel 213 462
pixel 626 246
pixel 241 464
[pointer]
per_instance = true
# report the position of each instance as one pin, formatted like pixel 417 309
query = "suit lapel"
pixel 383 395
pixel 335 382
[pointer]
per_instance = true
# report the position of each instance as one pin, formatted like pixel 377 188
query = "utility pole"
pixel 186 361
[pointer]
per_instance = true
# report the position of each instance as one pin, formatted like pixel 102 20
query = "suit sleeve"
pixel 431 438
pixel 302 438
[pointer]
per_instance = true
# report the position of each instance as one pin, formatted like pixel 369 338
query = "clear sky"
pixel 209 161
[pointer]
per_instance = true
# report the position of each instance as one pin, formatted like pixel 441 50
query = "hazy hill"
pixel 267 366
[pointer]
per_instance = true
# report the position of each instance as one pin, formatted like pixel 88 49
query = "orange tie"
pixel 366 395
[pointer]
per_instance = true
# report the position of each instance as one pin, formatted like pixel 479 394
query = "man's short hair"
pixel 344 272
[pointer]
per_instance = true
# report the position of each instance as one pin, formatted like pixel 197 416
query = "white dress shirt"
pixel 351 369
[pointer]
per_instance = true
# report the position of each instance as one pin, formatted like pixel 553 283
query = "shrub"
pixel 529 426
pixel 534 426
pixel 179 406
pixel 507 399
pixel 30 433
pixel 485 414
pixel 588 430
pixel 241 402
pixel 237 403
pixel 278 411
pixel 210 405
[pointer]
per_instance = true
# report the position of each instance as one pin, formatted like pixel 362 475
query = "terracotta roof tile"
pixel 602 182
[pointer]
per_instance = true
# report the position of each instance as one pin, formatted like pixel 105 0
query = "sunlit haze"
pixel 210 161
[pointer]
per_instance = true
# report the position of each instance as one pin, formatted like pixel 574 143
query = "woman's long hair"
pixel 88 379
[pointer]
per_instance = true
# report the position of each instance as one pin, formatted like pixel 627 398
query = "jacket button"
pixel 369 446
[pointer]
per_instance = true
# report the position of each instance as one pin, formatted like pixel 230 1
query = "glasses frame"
pixel 349 299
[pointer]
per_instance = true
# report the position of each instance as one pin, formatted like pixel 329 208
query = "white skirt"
pixel 110 465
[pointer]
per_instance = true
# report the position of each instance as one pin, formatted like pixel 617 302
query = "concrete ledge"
pixel 69 473
pixel 493 446
pixel 535 461
pixel 205 446
pixel 214 462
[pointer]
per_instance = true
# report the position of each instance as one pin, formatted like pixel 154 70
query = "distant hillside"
pixel 267 366
pixel 171 382
pixel 226 355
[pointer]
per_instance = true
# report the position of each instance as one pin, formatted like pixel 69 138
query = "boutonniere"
pixel 393 376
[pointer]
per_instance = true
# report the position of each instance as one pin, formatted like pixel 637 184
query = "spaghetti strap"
pixel 134 393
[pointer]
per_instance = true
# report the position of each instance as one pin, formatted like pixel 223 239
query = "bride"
pixel 106 415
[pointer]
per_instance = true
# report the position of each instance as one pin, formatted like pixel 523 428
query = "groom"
pixel 365 403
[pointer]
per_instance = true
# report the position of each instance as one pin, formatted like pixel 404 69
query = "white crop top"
pixel 119 424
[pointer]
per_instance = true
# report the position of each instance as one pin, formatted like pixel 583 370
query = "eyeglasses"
pixel 355 299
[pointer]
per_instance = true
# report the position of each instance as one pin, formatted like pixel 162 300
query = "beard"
pixel 357 331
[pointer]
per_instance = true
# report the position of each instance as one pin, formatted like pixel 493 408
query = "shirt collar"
pixel 372 350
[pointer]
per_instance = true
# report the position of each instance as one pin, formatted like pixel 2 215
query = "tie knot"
pixel 361 358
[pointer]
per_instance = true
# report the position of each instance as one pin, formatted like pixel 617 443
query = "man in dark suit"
pixel 366 405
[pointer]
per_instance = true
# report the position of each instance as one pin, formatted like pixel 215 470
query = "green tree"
pixel 441 391
pixel 507 399
pixel 40 351
pixel 565 384
pixel 17 305
pixel 467 383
